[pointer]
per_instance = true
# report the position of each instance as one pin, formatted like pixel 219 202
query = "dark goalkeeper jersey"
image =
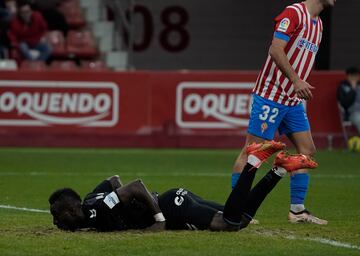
pixel 105 212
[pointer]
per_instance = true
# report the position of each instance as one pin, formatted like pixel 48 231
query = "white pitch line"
pixel 332 243
pixel 319 240
pixel 315 239
pixel 24 209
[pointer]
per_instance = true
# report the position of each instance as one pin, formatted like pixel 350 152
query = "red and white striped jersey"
pixel 303 35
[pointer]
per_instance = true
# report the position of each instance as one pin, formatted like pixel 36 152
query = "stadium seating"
pixel 57 42
pixel 81 44
pixel 67 65
pixel 33 65
pixel 348 129
pixel 94 65
pixel 73 13
pixel 117 60
pixel 8 65
pixel 93 9
pixel 103 31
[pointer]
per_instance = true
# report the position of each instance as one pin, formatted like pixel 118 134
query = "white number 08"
pixel 264 116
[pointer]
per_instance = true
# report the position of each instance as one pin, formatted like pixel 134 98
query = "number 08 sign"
pixel 159 26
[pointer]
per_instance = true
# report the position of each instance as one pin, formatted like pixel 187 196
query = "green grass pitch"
pixel 28 176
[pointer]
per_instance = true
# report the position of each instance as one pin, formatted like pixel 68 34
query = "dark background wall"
pixel 231 34
pixel 345 34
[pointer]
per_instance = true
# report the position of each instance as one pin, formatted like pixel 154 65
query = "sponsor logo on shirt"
pixel 111 200
pixel 284 25
pixel 303 43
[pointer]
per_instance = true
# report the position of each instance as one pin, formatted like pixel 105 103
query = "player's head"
pixel 327 3
pixel 353 75
pixel 65 206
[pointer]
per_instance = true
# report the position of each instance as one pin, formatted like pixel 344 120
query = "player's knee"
pixel 240 162
pixel 138 181
pixel 309 151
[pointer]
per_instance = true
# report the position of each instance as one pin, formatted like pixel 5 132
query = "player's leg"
pixel 236 202
pixel 209 203
pixel 299 182
pixel 183 211
pixel 297 128
pixel 265 118
pixel 283 163
pixel 242 158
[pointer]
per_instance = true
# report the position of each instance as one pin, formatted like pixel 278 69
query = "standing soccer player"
pixel 280 90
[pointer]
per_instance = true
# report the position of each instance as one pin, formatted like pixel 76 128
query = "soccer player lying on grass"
pixel 113 206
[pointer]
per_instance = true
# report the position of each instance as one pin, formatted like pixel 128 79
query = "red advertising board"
pixel 152 109
pixel 60 103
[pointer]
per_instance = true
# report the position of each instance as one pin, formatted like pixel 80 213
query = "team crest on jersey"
pixel 284 25
pixel 264 127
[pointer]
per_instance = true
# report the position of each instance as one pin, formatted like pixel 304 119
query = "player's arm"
pixel 277 53
pixel 138 191
pixel 115 182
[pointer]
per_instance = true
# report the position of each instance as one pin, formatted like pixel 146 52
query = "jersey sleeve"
pixel 103 187
pixel 286 24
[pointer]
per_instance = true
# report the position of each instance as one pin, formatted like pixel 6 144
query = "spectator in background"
pixel 6 12
pixel 348 95
pixel 27 32
pixel 49 9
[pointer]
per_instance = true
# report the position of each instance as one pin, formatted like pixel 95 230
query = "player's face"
pixel 67 219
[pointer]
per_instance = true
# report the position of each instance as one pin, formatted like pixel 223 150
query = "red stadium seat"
pixel 57 42
pixel 33 65
pixel 15 55
pixel 67 65
pixel 81 44
pixel 97 65
pixel 73 13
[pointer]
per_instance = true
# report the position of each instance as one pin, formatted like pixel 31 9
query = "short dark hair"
pixel 63 193
pixel 352 71
pixel 65 205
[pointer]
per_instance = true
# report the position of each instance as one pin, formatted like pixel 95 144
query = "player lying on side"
pixel 113 206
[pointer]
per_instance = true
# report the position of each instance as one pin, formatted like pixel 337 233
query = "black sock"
pixel 236 201
pixel 260 191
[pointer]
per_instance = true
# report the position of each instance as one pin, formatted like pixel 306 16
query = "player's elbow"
pixel 274 51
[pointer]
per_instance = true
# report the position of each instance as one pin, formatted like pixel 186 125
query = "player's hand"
pixel 303 89
pixel 157 227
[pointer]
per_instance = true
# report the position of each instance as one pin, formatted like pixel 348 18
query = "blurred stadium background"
pixel 164 74
pixel 145 93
